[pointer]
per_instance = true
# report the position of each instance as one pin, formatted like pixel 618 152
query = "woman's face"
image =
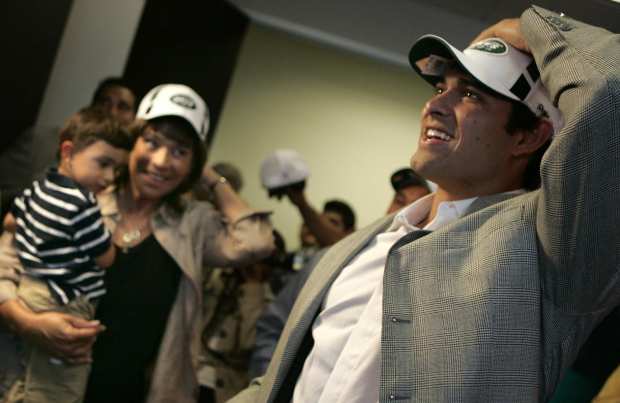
pixel 158 164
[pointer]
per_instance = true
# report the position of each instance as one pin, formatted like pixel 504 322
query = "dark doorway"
pixel 31 32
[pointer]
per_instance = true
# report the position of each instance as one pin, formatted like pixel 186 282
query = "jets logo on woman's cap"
pixel 176 100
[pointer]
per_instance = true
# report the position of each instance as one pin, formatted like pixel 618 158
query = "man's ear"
pixel 528 141
pixel 66 149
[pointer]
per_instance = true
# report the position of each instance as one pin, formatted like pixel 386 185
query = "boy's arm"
pixel 91 231
pixel 106 259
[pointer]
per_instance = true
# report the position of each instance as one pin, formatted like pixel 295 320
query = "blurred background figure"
pixel 234 299
pixel 115 96
pixel 339 214
pixel 285 173
pixel 408 187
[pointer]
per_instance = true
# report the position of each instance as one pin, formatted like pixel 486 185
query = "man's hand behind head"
pixel 509 30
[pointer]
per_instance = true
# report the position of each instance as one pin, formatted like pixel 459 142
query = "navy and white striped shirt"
pixel 59 234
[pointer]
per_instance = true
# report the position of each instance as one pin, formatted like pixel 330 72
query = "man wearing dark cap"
pixel 485 290
pixel 408 187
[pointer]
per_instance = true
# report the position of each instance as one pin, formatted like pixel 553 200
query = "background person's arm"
pixel 325 232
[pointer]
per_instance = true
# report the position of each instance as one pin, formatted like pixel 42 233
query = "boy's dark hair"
pixel 522 118
pixel 92 124
pixel 107 83
pixel 343 210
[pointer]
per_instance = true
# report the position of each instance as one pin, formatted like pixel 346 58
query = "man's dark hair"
pixel 107 83
pixel 522 118
pixel 343 210
pixel 92 124
pixel 406 177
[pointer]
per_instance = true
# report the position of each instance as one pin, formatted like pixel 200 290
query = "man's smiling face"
pixel 463 141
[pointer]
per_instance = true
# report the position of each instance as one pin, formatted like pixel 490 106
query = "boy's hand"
pixel 509 30
pixel 9 223
pixel 106 259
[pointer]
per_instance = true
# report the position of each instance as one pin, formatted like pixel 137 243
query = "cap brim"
pixel 428 45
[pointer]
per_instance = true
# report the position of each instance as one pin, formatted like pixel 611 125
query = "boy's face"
pixel 95 166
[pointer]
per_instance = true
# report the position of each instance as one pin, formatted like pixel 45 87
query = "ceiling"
pixel 385 29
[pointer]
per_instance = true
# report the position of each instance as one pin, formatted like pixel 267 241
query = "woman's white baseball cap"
pixel 176 100
pixel 495 64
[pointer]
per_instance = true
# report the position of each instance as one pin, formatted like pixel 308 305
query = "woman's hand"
pixel 209 176
pixel 228 202
pixel 63 336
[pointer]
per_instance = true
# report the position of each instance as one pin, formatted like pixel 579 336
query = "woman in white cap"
pixel 151 311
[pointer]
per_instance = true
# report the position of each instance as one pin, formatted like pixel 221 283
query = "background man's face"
pixel 338 221
pixel 463 139
pixel 405 196
pixel 119 102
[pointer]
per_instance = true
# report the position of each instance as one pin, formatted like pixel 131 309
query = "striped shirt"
pixel 59 234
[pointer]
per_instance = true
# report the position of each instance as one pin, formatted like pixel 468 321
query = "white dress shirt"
pixel 344 363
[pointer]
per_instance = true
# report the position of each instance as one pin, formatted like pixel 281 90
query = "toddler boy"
pixel 63 244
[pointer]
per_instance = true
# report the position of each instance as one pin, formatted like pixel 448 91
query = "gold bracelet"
pixel 219 180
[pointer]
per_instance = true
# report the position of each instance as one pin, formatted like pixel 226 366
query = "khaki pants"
pixel 45 381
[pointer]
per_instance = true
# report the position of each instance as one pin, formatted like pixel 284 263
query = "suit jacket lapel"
pixel 299 325
pixel 486 201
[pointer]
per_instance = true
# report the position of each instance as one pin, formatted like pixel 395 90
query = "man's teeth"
pixel 437 134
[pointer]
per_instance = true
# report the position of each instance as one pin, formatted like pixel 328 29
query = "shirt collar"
pixel 448 211
pixel 409 217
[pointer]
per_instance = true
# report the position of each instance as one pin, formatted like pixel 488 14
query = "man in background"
pixel 408 187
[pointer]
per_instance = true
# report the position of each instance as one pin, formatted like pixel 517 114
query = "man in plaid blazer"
pixel 493 304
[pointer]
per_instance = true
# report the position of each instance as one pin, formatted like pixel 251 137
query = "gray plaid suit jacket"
pixel 494 307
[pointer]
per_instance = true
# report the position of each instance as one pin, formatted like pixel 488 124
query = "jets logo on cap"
pixel 184 101
pixel 494 46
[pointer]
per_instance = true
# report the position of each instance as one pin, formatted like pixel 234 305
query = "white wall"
pixel 355 120
pixel 95 44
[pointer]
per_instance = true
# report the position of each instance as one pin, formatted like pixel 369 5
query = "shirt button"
pixel 394 320
pixel 392 397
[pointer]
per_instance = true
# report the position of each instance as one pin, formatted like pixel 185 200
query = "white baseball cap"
pixel 176 100
pixel 283 168
pixel 495 64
